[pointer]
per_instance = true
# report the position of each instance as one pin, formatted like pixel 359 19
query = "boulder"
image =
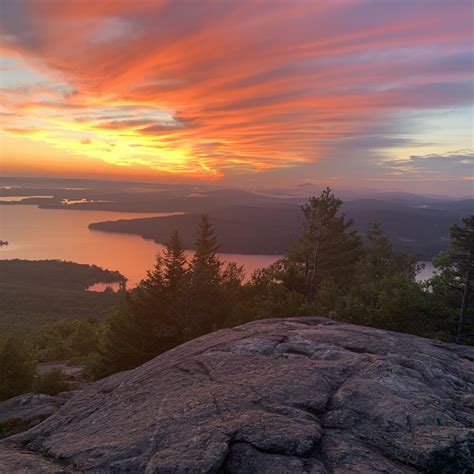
pixel 273 396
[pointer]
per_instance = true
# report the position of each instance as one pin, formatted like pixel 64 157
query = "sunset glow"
pixel 345 90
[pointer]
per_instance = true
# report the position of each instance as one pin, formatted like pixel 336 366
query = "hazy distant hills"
pixel 247 221
pixel 241 229
pixel 420 229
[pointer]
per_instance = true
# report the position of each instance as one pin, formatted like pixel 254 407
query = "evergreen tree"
pixel 384 292
pixel 462 250
pixel 122 347
pixel 205 271
pixel 452 286
pixel 326 252
pixel 17 370
pixel 174 264
pixel 149 320
pixel 205 264
pixel 176 285
pixel 445 294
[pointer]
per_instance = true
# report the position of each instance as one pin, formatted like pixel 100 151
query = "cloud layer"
pixel 210 89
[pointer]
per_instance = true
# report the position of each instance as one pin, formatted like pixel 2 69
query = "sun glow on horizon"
pixel 200 90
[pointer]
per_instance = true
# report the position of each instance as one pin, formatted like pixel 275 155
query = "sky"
pixel 374 94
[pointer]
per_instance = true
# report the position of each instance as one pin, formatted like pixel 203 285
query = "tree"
pixel 205 265
pixel 327 249
pixel 462 256
pixel 445 295
pixel 384 292
pixel 16 369
pixel 176 283
pixel 174 264
pixel 85 339
pixel 266 296
pixel 151 318
pixel 122 347
pixel 230 295
pixel 205 271
pixel 451 286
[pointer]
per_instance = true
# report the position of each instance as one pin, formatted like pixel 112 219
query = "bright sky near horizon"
pixel 373 93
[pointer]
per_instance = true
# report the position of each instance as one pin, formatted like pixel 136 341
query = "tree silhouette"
pixel 462 254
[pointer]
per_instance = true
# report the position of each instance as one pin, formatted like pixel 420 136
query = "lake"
pixel 37 234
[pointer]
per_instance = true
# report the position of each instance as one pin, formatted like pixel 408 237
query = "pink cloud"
pixel 256 85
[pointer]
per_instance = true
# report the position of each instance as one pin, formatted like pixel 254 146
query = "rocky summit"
pixel 273 396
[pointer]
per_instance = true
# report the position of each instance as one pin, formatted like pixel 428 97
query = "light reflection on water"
pixel 37 234
pixel 20 198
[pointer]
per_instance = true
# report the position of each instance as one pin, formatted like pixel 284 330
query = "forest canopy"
pixel 36 292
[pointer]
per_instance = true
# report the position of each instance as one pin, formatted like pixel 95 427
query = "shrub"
pixel 51 382
pixel 16 369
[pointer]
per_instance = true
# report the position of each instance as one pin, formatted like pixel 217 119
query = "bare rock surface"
pixel 274 396
pixel 32 407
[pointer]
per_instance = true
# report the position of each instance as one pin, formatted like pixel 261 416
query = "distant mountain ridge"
pixel 249 221
pixel 420 229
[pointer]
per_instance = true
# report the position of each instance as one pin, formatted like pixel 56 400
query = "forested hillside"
pixel 421 229
pixel 35 292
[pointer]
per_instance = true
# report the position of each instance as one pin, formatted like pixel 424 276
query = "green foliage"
pixel 451 286
pixel 265 296
pixel 54 274
pixel 462 254
pixel 384 292
pixel 326 251
pixel 33 293
pixel 71 340
pixel 152 318
pixel 205 281
pixel 462 246
pixel 52 382
pixel 16 368
pixel 175 303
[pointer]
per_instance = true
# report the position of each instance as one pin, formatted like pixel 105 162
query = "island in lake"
pixel 37 292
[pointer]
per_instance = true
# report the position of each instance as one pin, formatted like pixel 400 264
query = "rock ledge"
pixel 273 396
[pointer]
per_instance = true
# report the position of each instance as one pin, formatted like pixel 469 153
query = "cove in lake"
pixel 37 234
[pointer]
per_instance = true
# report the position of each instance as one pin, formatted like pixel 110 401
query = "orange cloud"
pixel 206 89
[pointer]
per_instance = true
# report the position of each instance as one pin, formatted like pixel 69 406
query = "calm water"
pixel 35 234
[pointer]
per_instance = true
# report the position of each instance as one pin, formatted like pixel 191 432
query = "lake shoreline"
pixel 36 233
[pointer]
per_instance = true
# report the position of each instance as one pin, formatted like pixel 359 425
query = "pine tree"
pixel 145 325
pixel 328 247
pixel 462 255
pixel 176 283
pixel 384 292
pixel 205 271
pixel 205 264
pixel 174 265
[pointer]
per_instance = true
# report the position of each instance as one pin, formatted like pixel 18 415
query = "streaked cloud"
pixel 216 89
